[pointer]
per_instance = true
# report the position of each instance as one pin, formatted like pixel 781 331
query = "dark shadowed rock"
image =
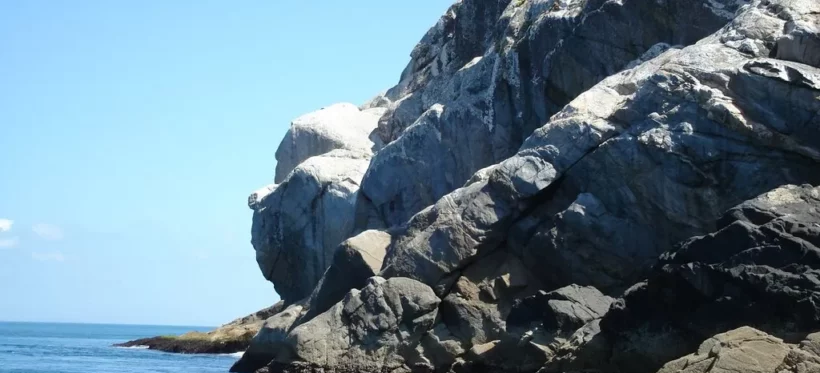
pixel 477 304
pixel 761 269
pixel 566 309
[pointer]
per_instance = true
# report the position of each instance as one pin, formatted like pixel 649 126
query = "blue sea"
pixel 86 348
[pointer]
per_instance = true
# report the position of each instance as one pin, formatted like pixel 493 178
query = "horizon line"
pixel 104 324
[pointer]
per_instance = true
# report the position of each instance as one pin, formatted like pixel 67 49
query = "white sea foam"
pixel 136 347
pixel 235 354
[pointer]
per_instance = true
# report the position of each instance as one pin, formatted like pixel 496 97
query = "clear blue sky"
pixel 132 132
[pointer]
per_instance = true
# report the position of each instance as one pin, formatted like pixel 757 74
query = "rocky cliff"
pixel 558 186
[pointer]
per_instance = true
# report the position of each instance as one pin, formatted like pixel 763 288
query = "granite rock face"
pixel 299 223
pixel 561 186
pixel 491 72
pixel 669 144
pixel 340 126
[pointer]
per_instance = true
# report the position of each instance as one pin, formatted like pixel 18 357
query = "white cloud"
pixel 55 256
pixel 48 231
pixel 7 243
pixel 5 225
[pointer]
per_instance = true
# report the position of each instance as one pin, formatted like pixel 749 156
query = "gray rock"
pixel 269 342
pixel 339 126
pixel 759 269
pixel 355 260
pixel 538 331
pixel 476 307
pixel 650 129
pixel 500 69
pixel 586 350
pixel 300 222
pixel 566 309
pixel 370 330
pixel 378 102
pixel 439 348
pixel 670 144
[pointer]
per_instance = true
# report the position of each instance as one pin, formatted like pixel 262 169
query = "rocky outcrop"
pixel 749 350
pixel 312 207
pixel 543 158
pixel 339 126
pixel 491 72
pixel 537 329
pixel 298 223
pixel 760 268
pixel 354 262
pixel 669 144
pixel 371 330
pixel 269 343
pixel 229 338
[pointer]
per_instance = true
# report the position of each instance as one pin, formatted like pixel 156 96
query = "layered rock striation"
pixel 559 186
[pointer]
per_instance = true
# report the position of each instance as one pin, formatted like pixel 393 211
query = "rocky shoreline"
pixel 198 343
pixel 227 339
pixel 620 186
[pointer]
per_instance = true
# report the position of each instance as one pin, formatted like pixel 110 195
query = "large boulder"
pixel 340 126
pixel 269 341
pixel 298 224
pixel 566 309
pixel 355 261
pixel 669 144
pixel 372 330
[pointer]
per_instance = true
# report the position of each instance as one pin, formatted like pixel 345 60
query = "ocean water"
pixel 86 348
